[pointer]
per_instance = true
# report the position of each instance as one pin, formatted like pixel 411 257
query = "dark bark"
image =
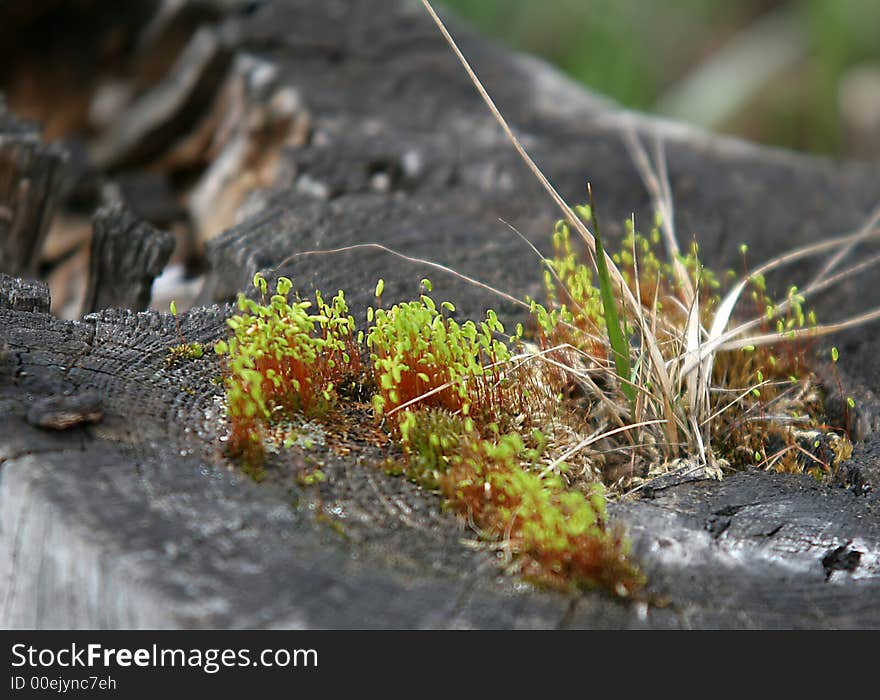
pixel 24 295
pixel 65 411
pixel 29 178
pixel 127 255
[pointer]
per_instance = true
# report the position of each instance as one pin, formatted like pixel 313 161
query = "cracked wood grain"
pixel 139 520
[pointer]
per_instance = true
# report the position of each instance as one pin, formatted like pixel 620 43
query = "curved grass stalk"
pixel 862 234
pixel 408 258
pixel 815 332
pixel 719 338
pixel 657 184
pixel 614 274
pixel 584 444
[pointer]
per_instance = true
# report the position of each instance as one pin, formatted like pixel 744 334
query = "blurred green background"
pixel 804 74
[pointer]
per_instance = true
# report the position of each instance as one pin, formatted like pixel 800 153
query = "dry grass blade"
pixel 633 305
pixel 583 444
pixel 863 234
pixel 722 339
pixel 656 181
pixel 573 219
pixel 408 258
pixel 817 331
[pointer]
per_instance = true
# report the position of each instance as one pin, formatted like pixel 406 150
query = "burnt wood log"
pixel 29 178
pixel 24 295
pixel 139 519
pixel 127 254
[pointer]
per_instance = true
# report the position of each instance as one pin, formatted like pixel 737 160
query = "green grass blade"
pixel 616 337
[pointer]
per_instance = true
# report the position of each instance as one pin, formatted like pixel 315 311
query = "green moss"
pixel 311 477
pixel 459 405
pixel 447 386
pixel 184 351
pixel 283 358
pixel 430 438
pixel 558 536
pixel 420 355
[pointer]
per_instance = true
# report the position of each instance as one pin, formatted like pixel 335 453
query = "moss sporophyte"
pixel 183 350
pixel 283 359
pixel 420 356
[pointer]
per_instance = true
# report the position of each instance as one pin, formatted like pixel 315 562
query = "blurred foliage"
pixel 636 50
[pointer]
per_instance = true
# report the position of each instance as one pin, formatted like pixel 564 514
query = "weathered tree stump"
pixel 24 295
pixel 139 520
pixel 29 178
pixel 127 255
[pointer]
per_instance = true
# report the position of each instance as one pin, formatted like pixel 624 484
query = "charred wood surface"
pixel 30 172
pixel 133 517
pixel 127 254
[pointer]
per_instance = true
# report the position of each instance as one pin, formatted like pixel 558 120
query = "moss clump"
pixel 311 477
pixel 283 359
pixel 420 355
pixel 429 437
pixel 184 351
pixel 449 391
pixel 459 402
pixel 755 403
pixel 559 536
pixel 552 535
